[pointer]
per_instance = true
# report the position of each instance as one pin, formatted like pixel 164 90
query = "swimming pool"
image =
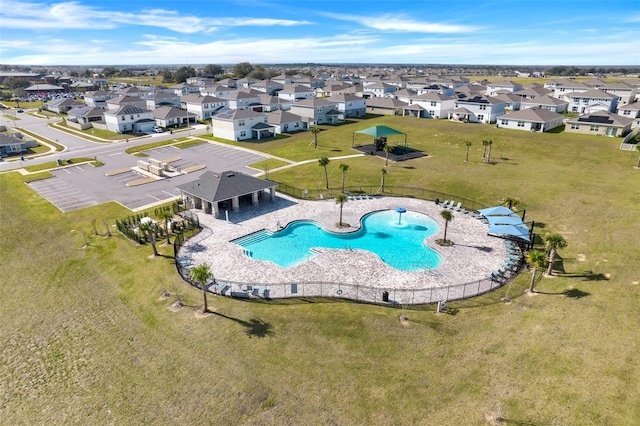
pixel 397 239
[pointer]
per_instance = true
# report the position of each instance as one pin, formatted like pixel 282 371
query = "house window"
pixel 480 117
pixel 131 117
pixel 433 103
pixel 575 126
pixel 241 123
pixel 626 112
pixel 520 123
pixel 243 133
pixel 483 107
pixel 594 128
pixel 504 122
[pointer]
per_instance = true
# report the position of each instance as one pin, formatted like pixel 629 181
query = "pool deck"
pixel 473 255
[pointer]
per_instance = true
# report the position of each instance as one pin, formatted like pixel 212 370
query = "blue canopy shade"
pixel 401 210
pixel 505 220
pixel 496 211
pixel 521 231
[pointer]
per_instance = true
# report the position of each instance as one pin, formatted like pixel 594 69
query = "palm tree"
pixel 324 161
pixel 165 216
pixel 553 242
pixel 314 131
pixel 387 149
pixel 201 274
pixel 341 199
pixel 343 168
pixel 447 215
pixel 511 201
pixel 536 260
pixel 489 143
pixel 148 229
pixel 485 144
pixel 467 143
pixel 383 172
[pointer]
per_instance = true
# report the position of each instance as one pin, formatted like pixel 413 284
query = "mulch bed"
pixel 399 153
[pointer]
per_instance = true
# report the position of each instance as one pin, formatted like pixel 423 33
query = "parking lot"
pixel 81 186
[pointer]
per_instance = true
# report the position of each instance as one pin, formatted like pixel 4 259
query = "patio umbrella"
pixel 504 220
pixel 521 231
pixel 496 211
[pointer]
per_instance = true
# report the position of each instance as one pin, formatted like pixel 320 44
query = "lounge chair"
pixel 458 207
pixel 444 203
pixel 451 203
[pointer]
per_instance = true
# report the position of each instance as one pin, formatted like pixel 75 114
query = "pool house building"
pixel 214 192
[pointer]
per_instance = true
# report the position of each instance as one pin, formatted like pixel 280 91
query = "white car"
pixel 158 129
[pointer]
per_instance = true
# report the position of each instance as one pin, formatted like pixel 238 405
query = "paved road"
pixel 82 186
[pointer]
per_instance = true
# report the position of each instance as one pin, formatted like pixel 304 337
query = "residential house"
pixel 496 88
pixel 62 105
pixel 169 116
pixel 349 105
pixel 531 119
pixel 435 88
pixel 228 82
pixel 318 111
pixel 477 109
pixel 511 101
pixel 98 98
pixel 533 92
pixel 129 119
pixel 245 83
pixel 241 124
pixel 123 100
pixel 451 82
pixel 84 116
pixel 379 89
pixel 403 95
pixel 243 99
pixel 592 100
pixel 435 105
pixel 13 145
pixel 269 87
pixel 546 102
pixel 602 123
pixel 630 110
pixel 626 93
pixel 385 106
pixel 295 92
pixel 217 91
pixel 158 99
pixel 565 89
pixel 329 89
pixel 470 90
pixel 286 122
pixel 202 107
pixel 271 103
pixel 130 91
pixel 184 89
pixel 313 82
pixel 283 79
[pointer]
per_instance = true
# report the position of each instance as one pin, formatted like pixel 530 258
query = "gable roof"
pixel 312 103
pixel 544 100
pixel 280 117
pixel 385 103
pixel 603 118
pixel 593 93
pixel 536 115
pixel 237 114
pixel 165 112
pixel 214 186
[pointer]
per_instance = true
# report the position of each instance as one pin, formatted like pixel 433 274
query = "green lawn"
pixel 87 337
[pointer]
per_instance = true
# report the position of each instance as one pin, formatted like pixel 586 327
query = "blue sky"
pixel 518 32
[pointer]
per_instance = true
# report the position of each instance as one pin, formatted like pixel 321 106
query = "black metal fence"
pixel 388 191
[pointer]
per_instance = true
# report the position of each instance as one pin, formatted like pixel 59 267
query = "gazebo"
pixel 378 132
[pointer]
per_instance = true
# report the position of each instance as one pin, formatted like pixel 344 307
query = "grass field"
pixel 88 338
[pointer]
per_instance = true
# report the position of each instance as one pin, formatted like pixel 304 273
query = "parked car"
pixel 21 110
pixel 158 129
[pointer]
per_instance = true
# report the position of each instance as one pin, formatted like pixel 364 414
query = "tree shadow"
pixel 586 276
pixel 195 248
pixel 255 327
pixel 575 293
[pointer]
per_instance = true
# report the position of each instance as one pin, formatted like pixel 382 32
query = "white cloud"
pixel 401 23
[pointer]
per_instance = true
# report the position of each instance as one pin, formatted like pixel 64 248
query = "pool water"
pixel 399 240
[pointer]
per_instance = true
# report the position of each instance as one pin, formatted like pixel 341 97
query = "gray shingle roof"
pixel 221 186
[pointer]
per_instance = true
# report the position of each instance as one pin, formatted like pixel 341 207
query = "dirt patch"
pixel 176 306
